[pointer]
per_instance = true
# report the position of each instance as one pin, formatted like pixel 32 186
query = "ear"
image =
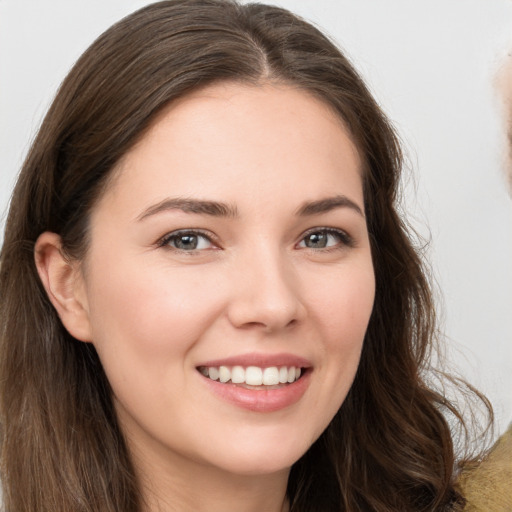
pixel 64 284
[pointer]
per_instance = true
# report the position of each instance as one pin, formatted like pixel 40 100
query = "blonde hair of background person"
pixel 89 373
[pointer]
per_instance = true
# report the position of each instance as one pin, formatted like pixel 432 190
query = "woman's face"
pixel 231 246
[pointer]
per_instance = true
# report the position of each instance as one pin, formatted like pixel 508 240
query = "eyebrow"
pixel 328 204
pixel 218 209
pixel 186 205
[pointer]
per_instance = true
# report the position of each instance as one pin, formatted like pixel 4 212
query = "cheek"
pixel 344 305
pixel 151 316
pixel 146 324
pixel 343 309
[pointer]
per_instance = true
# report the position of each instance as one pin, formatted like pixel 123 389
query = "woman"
pixel 208 298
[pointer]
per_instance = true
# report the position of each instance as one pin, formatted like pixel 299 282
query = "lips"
pixel 258 382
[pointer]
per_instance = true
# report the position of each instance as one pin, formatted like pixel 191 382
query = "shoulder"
pixel 488 486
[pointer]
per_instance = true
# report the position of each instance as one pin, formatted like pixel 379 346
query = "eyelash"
pixel 345 240
pixel 166 240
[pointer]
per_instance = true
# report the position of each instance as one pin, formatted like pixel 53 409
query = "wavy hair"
pixel 388 448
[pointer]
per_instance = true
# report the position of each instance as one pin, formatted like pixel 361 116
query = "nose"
pixel 266 294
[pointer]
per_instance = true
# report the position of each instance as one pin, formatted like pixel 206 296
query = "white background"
pixel 431 65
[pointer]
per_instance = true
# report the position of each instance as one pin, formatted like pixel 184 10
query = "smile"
pixel 258 382
pixel 252 375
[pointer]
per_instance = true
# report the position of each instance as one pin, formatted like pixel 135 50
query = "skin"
pixel 503 86
pixel 253 286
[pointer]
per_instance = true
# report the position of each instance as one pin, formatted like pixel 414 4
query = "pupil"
pixel 317 240
pixel 186 242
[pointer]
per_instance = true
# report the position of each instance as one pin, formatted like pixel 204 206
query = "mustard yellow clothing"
pixel 488 486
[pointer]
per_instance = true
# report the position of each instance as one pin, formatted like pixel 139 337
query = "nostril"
pixel 257 313
pixel 266 326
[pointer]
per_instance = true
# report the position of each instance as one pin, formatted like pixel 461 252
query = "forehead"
pixel 231 138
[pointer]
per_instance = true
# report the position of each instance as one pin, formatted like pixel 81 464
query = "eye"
pixel 187 241
pixel 324 238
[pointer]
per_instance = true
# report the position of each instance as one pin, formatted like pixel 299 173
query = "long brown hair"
pixel 388 448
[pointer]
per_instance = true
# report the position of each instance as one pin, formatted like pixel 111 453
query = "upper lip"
pixel 260 360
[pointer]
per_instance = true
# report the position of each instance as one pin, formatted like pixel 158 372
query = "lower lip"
pixel 260 400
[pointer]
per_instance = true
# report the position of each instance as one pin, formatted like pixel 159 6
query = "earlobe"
pixel 64 285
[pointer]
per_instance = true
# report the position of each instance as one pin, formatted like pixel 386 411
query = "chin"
pixel 262 457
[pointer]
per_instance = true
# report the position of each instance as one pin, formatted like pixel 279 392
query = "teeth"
pixel 213 373
pixel 271 376
pixel 253 375
pixel 224 374
pixel 237 375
